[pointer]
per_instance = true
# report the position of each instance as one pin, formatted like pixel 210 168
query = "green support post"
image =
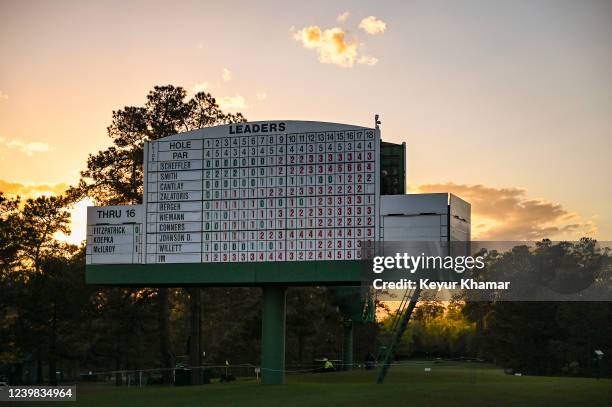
pixel 347 350
pixel 273 335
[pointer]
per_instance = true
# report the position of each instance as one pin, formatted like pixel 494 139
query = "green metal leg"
pixel 273 335
pixel 347 350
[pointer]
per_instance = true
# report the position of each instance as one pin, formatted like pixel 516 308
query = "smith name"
pixel 257 128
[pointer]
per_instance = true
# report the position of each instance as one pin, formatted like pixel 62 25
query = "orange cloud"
pixel 373 25
pixel 509 214
pixel 13 189
pixel 331 45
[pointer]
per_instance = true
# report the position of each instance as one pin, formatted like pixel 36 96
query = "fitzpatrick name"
pixel 257 128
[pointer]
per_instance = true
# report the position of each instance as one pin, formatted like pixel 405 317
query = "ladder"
pixel 398 327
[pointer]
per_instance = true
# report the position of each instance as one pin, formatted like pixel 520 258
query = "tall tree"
pixel 543 337
pixel 41 219
pixel 115 176
pixel 10 243
pixel 27 243
pixel 52 303
pixel 9 232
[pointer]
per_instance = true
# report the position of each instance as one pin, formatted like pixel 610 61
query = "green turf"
pixel 448 384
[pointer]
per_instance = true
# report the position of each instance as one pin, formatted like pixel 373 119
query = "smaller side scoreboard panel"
pixel 115 234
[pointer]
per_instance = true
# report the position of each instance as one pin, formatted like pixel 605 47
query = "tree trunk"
pixel 300 339
pixel 118 378
pixel 164 335
pixel 195 334
pixel 52 340
pixel 39 367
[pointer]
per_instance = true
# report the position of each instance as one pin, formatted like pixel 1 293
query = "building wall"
pixel 425 217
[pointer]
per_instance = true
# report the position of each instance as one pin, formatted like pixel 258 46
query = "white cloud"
pixel 201 87
pixel 373 25
pixel 3 96
pixel 233 102
pixel 367 60
pixel 261 96
pixel 343 17
pixel 227 75
pixel 331 45
pixel 28 148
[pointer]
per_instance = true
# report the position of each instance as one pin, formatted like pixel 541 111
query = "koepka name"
pixel 257 128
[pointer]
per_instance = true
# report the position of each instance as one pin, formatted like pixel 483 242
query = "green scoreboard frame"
pixel 332 272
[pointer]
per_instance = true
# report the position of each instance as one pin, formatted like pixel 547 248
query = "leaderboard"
pixel 261 192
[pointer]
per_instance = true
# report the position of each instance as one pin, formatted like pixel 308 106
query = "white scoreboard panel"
pixel 115 234
pixel 262 191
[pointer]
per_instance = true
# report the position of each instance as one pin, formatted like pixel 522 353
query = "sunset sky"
pixel 506 103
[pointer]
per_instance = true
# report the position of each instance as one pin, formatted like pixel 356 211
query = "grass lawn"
pixel 447 384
